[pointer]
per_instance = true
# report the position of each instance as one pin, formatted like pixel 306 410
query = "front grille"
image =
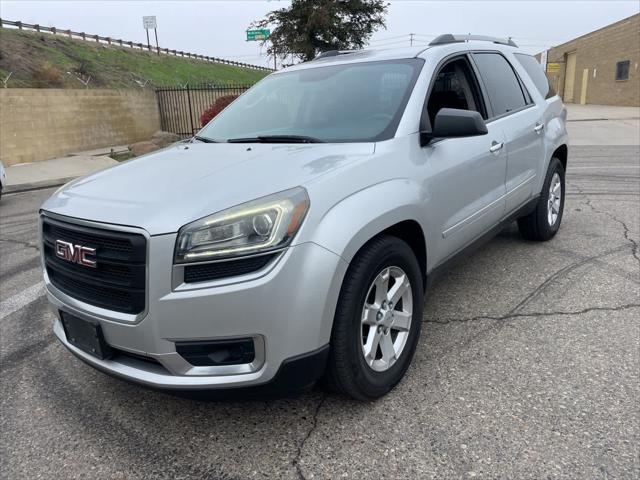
pixel 119 280
pixel 230 268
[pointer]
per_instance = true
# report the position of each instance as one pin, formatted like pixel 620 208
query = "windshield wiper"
pixel 276 139
pixel 204 139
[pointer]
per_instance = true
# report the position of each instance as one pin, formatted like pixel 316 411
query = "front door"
pixel 467 179
pixel 467 175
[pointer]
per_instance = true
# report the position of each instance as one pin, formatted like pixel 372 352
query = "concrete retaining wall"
pixel 39 124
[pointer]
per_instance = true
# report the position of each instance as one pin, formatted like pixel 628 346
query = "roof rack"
pixel 450 38
pixel 333 53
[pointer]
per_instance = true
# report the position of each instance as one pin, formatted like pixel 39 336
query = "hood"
pixel 167 189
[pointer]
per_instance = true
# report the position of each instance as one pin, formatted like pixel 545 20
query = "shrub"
pixel 47 75
pixel 216 108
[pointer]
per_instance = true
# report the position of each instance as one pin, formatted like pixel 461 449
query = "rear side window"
pixel 501 82
pixel 534 70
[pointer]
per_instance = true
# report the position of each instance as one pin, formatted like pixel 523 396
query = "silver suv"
pixel 294 236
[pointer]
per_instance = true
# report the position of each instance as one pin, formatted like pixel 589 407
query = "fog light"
pixel 217 352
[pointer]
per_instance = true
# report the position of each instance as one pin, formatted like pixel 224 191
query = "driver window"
pixel 454 87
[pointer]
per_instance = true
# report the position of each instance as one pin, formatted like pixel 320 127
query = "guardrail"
pixel 124 43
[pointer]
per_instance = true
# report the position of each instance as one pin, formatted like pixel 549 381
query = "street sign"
pixel 257 35
pixel 553 67
pixel 149 23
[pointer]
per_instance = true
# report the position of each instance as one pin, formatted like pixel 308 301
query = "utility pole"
pixel 411 39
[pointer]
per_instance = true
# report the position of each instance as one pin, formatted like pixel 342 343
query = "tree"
pixel 308 27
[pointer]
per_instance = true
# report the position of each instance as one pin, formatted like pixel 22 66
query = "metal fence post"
pixel 190 109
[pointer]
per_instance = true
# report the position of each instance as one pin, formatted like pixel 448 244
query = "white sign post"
pixel 543 59
pixel 149 23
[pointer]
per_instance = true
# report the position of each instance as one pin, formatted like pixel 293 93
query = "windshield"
pixel 341 103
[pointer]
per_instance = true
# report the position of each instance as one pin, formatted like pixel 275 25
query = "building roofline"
pixel 591 32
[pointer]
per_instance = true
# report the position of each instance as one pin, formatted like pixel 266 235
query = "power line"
pixel 390 38
pixel 391 43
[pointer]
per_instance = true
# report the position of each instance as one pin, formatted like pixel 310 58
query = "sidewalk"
pixel 580 113
pixel 58 171
pixel 603 125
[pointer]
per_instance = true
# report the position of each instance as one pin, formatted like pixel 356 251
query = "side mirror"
pixel 452 122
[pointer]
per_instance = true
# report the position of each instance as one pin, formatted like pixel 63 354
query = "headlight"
pixel 264 224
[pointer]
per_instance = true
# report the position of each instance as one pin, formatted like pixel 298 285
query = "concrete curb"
pixel 27 187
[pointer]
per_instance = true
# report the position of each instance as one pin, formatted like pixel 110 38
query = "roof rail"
pixel 450 38
pixel 333 53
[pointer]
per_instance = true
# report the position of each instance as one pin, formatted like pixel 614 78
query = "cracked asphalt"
pixel 528 367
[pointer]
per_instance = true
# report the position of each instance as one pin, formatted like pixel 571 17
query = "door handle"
pixel 538 128
pixel 495 146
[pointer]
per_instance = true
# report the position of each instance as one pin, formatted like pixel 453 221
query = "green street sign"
pixel 256 35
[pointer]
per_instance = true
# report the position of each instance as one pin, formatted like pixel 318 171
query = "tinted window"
pixel 622 70
pixel 454 87
pixel 534 69
pixel 342 103
pixel 501 83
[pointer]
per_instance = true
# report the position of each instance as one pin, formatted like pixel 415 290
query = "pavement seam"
pixel 21 243
pixel 16 357
pixel 314 424
pixel 560 273
pixel 626 231
pixel 21 299
pixel 513 315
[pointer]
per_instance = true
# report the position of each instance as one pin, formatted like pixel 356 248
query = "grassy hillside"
pixel 53 61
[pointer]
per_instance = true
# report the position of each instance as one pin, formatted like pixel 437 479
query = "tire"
pixel 347 370
pixel 538 225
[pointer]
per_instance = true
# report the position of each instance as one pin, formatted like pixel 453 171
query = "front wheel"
pixel 377 321
pixel 543 223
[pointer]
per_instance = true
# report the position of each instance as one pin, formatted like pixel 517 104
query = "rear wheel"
pixel 543 223
pixel 377 321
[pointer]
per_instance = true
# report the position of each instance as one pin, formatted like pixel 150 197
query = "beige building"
pixel 601 67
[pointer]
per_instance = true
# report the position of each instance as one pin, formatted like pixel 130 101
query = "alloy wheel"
pixel 386 318
pixel 555 197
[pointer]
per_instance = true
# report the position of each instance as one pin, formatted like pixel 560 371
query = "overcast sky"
pixel 217 28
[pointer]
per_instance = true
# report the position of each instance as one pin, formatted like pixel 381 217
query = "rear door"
pixel 514 111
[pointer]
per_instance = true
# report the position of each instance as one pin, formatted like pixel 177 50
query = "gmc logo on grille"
pixel 75 253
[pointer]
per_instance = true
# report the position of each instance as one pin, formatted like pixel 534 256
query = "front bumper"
pixel 287 309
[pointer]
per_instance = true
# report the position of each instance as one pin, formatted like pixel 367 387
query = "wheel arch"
pixel 394 207
pixel 411 232
pixel 562 154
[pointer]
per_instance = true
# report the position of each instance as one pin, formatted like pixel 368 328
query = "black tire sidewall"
pixel 390 252
pixel 545 229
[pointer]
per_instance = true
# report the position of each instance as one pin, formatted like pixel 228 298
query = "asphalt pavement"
pixel 528 367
